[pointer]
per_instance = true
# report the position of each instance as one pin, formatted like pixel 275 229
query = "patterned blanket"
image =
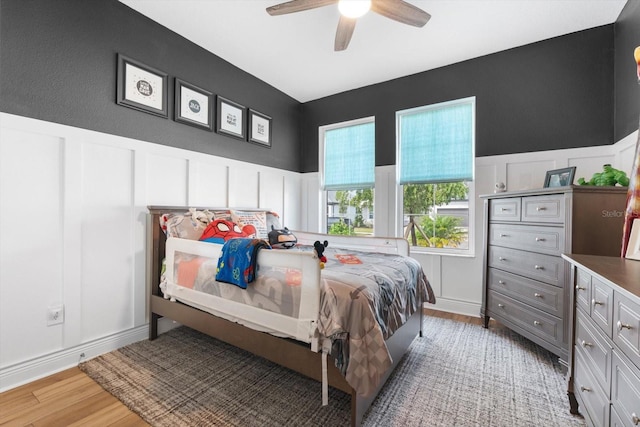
pixel 364 298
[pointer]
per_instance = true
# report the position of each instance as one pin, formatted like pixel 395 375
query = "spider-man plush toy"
pixel 221 230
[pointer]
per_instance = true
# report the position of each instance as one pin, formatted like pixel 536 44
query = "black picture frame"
pixel 559 177
pixel 259 128
pixel 141 87
pixel 230 118
pixel 193 105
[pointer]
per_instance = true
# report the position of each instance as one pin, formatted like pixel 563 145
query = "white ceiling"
pixel 294 52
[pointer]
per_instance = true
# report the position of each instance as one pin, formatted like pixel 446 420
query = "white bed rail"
pixel 387 245
pixel 302 328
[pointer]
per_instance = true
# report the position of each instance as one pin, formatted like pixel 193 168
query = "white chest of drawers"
pixel 526 281
pixel 603 379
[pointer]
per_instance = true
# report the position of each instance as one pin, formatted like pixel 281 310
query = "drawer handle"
pixel 540 239
pixel 635 419
pixel 535 322
pixel 580 288
pixel 504 235
pixel 594 303
pixel 541 208
pixel 501 305
pixel 502 258
pixel 504 209
pixel 586 344
pixel 623 326
pixel 583 388
pixel 538 267
pixel 537 295
pixel 501 282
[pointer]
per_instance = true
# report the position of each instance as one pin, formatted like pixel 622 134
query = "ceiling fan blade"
pixel 344 33
pixel 401 11
pixel 297 6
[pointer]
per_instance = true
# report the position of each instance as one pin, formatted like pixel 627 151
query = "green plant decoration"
pixel 609 176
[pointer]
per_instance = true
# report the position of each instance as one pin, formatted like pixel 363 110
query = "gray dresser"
pixel 604 371
pixel 526 283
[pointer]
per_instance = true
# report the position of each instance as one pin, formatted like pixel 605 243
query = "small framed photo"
pixel 194 105
pixel 633 247
pixel 230 118
pixel 141 87
pixel 259 128
pixel 559 177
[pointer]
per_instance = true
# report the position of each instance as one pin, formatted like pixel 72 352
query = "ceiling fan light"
pixel 354 8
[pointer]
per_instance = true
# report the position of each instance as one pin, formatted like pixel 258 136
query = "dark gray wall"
pixel 58 63
pixel 549 95
pixel 627 90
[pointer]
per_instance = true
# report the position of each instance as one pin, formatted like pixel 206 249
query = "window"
pixel 435 152
pixel 347 167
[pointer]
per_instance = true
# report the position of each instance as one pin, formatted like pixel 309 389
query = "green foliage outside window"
pixel 419 200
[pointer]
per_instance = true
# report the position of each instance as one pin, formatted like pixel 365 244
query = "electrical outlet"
pixel 55 315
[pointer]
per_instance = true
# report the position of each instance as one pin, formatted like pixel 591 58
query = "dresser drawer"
pixel 625 393
pixel 547 240
pixel 602 305
pixel 546 268
pixel 504 209
pixel 583 290
pixel 539 323
pixel 548 208
pixel 595 350
pixel 593 399
pixel 537 294
pixel 616 421
pixel 626 327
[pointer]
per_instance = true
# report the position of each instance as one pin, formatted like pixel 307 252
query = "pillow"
pixel 188 225
pixel 256 218
pixel 273 221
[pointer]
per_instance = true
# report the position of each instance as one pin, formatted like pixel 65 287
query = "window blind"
pixel 436 143
pixel 349 157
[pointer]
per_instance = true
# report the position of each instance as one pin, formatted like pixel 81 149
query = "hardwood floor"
pixel 71 398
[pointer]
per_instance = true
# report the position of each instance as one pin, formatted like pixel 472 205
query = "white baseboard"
pixel 456 306
pixel 34 369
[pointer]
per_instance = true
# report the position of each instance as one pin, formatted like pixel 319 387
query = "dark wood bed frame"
pixel 289 353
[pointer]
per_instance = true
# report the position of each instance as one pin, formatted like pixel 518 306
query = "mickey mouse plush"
pixel 319 248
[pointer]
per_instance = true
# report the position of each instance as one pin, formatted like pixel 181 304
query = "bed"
pixel 298 310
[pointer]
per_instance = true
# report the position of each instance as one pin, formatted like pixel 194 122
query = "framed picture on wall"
pixel 559 177
pixel 230 118
pixel 194 105
pixel 141 87
pixel 259 128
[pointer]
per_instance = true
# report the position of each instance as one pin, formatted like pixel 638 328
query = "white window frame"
pixel 470 252
pixel 323 194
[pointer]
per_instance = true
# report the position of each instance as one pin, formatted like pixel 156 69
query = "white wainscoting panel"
pixel 208 183
pixel 73 227
pixel 31 220
pixel 167 180
pixel 107 225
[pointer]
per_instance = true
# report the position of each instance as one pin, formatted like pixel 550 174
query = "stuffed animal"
pixel 221 230
pixel 609 176
pixel 282 238
pixel 319 249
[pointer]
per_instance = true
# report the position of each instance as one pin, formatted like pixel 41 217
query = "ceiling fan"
pixel 350 10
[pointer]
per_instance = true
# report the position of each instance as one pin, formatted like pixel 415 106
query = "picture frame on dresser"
pixel 559 177
pixel 633 247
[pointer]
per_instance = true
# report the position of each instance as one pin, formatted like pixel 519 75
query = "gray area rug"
pixel 458 374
